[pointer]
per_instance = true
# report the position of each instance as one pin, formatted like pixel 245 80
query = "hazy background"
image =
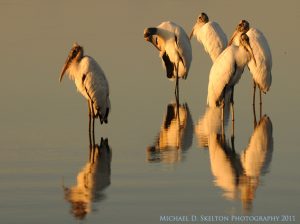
pixel 43 124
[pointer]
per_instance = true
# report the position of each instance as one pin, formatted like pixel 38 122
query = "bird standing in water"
pixel 261 70
pixel 175 49
pixel 227 71
pixel 91 82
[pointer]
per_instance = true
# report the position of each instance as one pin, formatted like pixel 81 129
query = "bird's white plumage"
pixel 91 83
pixel 226 70
pixel 212 37
pixel 261 72
pixel 175 42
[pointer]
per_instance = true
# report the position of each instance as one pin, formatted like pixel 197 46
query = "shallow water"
pixel 46 176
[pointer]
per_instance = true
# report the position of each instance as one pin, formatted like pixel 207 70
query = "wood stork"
pixel 90 82
pixel 175 49
pixel 211 35
pixel 226 72
pixel 261 70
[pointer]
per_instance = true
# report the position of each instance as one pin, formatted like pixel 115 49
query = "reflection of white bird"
pixel 211 35
pixel 91 181
pixel 176 134
pixel 210 123
pixel 90 82
pixel 261 69
pixel 227 70
pixel 257 156
pixel 238 176
pixel 256 159
pixel 225 165
pixel 174 46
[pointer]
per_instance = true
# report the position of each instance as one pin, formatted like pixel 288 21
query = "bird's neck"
pixel 73 69
pixel 243 56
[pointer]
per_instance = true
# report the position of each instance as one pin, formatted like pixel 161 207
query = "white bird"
pixel 90 82
pixel 226 72
pixel 261 70
pixel 211 35
pixel 175 49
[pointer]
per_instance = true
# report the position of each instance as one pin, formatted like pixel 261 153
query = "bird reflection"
pixel 237 175
pixel 175 136
pixel 92 180
pixel 211 123
pixel 256 159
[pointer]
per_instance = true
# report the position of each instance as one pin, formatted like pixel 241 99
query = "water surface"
pixel 44 124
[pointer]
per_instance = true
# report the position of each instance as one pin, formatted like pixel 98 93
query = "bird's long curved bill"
pixel 192 33
pixel 63 71
pixel 232 37
pixel 252 55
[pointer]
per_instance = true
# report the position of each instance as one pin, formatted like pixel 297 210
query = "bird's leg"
pixel 232 104
pixel 254 91
pixel 260 104
pixel 232 142
pixel 177 114
pixel 223 104
pixel 90 114
pixel 254 115
pixel 93 123
pixel 223 123
pixel 177 82
pixel 93 132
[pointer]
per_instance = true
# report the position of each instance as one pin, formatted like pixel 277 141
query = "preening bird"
pixel 175 49
pixel 90 82
pixel 211 35
pixel 227 70
pixel 261 70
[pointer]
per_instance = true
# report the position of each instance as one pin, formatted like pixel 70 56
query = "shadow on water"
pixel 175 136
pixel 92 180
pixel 238 175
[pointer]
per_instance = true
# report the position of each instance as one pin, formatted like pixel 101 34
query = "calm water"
pixel 46 176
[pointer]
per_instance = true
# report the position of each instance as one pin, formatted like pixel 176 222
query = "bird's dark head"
pixel 149 32
pixel 203 18
pixel 243 26
pixel 245 42
pixel 75 54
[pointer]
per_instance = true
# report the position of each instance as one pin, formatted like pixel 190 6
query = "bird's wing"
pixel 220 74
pixel 184 49
pixel 96 86
pixel 261 72
pixel 213 39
